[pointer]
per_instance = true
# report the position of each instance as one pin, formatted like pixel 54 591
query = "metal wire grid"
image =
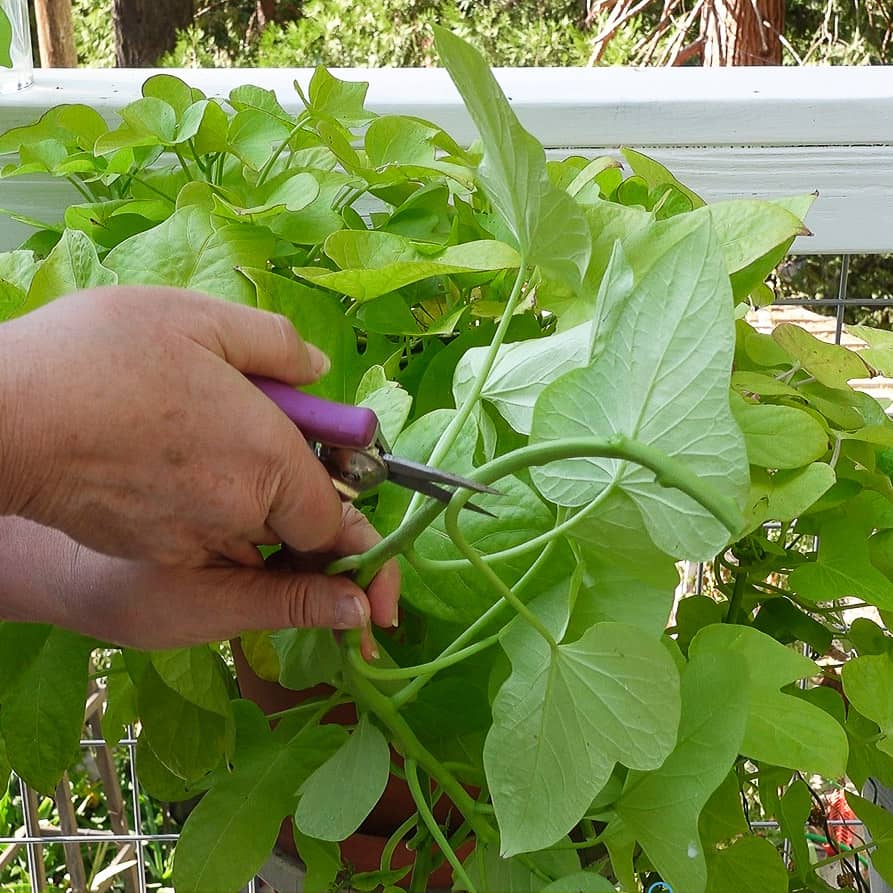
pixel 138 838
pixel 34 840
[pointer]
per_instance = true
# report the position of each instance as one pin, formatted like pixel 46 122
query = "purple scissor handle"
pixel 351 446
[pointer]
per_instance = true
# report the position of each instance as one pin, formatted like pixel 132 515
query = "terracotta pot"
pixel 362 850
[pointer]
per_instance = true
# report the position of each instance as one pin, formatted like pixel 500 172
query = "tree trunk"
pixel 146 29
pixel 742 32
pixel 265 10
pixel 55 35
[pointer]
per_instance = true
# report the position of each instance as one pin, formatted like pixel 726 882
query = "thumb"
pixel 288 600
pixel 257 342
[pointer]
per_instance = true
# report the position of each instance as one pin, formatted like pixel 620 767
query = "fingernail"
pixel 349 613
pixel 376 654
pixel 396 621
pixel 319 362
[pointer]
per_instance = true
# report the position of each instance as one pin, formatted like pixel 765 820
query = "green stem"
pixel 309 706
pixel 198 160
pixel 388 674
pixel 734 612
pixel 183 164
pixel 412 778
pixel 409 744
pixel 387 854
pixel 81 188
pixel 845 852
pixel 151 188
pixel 496 582
pixel 669 472
pixel 439 565
pixel 370 562
pixel 448 438
pixel 268 164
pixel 408 692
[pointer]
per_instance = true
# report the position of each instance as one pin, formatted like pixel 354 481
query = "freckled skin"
pixel 150 468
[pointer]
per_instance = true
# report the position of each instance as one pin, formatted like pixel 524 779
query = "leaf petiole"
pixel 388 674
pixel 412 778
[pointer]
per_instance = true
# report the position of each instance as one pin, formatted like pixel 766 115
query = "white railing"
pixel 724 132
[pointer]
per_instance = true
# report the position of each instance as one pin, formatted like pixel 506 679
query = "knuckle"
pixel 302 609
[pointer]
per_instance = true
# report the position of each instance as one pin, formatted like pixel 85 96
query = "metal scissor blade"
pixel 427 488
pixel 416 471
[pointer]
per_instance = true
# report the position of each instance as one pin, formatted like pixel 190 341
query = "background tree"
pixel 146 29
pixel 742 32
pixel 55 34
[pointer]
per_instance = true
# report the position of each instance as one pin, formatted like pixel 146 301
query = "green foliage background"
pixel 510 32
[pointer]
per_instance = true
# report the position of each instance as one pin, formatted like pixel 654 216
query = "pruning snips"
pixel 349 443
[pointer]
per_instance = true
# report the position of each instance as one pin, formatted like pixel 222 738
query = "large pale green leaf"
pixel 43 709
pixel 749 228
pixel 615 591
pixel 545 221
pixel 521 371
pixel 656 175
pixel 868 683
pixel 18 268
pixel 487 870
pixel 320 320
pixel 254 135
pixel 338 796
pixel 322 860
pixel 879 822
pixel 781 729
pixel 197 675
pixel 5 40
pixel 188 740
pixel 231 832
pixel 5 767
pixel 563 719
pixel 395 139
pixel 74 125
pixel 787 493
pixel 670 343
pixel 387 399
pixel 120 701
pixel 779 436
pixel 749 864
pixel 843 566
pixel 187 251
pixel 306 657
pixel 343 100
pixel 831 364
pixel 793 816
pixel 662 807
pixel 374 263
pixel 865 760
pixel 175 92
pixel 73 264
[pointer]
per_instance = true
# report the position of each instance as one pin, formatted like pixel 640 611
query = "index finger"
pixel 305 510
pixel 358 535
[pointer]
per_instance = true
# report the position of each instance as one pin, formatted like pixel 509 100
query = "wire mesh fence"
pixel 56 844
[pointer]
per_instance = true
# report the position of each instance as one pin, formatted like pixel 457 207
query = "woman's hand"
pixel 126 422
pixel 47 577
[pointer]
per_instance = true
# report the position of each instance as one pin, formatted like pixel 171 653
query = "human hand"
pixel 49 578
pixel 129 425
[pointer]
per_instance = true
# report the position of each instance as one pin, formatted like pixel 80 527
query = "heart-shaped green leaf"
pixel 565 717
pixel 675 368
